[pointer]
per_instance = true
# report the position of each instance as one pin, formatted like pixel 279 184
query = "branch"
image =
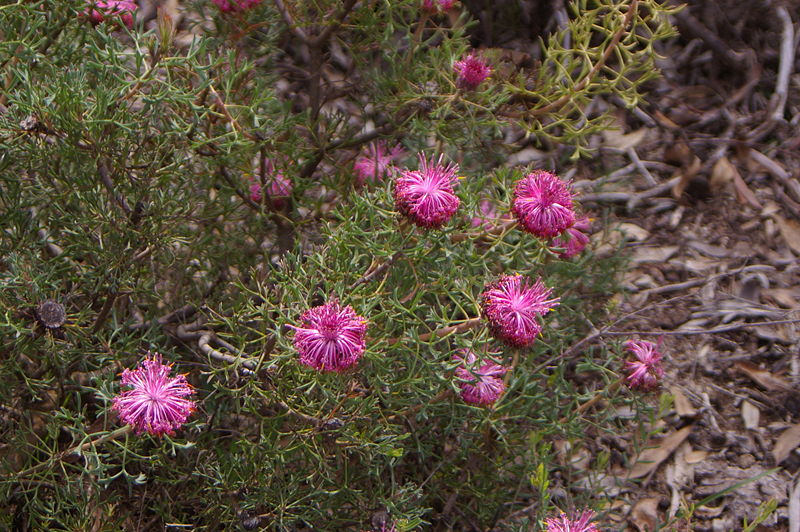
pixel 583 83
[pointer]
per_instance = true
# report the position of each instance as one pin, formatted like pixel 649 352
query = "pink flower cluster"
pixel 229 6
pixel 101 10
pixel 375 162
pixel 543 204
pixel 471 71
pixel 576 523
pixel 426 196
pixel 156 402
pixel 512 305
pixel 646 371
pixel 480 383
pixel 331 338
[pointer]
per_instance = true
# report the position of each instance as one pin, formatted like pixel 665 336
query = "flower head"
pixel 471 71
pixel 228 6
pixel 645 371
pixel 578 523
pixel 480 384
pixel 432 6
pixel 156 402
pixel 100 10
pixel 426 196
pixel 543 204
pixel 279 187
pixel 576 239
pixel 374 162
pixel 512 307
pixel 331 337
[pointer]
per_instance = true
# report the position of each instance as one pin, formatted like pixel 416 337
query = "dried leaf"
pixel 790 230
pixel 725 173
pixel 763 377
pixel 682 405
pixel 614 138
pixel 649 459
pixel 659 255
pixel 750 415
pixel 687 174
pixel 644 514
pixel 695 457
pixel 786 443
pixel 785 297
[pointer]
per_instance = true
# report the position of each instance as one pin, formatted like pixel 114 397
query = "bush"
pixel 196 196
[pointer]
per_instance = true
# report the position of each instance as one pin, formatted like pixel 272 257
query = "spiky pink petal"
pixel 156 403
pixel 374 162
pixel 577 523
pixel 426 196
pixel 512 306
pixel 471 71
pixel 543 204
pixel 331 337
pixel 646 371
pixel 574 239
pixel 480 383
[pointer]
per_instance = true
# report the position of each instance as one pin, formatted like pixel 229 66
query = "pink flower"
pixel 279 187
pixel 156 403
pixel 487 214
pixel 432 6
pixel 426 196
pixel 100 10
pixel 331 337
pixel 543 204
pixel 373 163
pixel 576 239
pixel 646 370
pixel 228 6
pixel 578 523
pixel 480 385
pixel 512 307
pixel 471 71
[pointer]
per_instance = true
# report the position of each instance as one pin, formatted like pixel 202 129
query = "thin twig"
pixel 778 100
pixel 105 177
pixel 369 275
pixel 694 332
pixel 289 20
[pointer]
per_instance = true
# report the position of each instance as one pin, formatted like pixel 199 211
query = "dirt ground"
pixel 711 218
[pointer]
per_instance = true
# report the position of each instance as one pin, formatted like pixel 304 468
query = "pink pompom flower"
pixel 480 383
pixel 512 306
pixel 426 196
pixel 577 523
pixel 229 6
pixel 646 371
pixel 279 187
pixel 331 337
pixel 374 162
pixel 101 10
pixel 471 71
pixel 543 204
pixel 574 239
pixel 155 403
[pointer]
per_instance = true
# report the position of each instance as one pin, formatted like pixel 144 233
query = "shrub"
pixel 138 171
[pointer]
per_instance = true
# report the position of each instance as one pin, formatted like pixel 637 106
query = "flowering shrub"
pixel 341 352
